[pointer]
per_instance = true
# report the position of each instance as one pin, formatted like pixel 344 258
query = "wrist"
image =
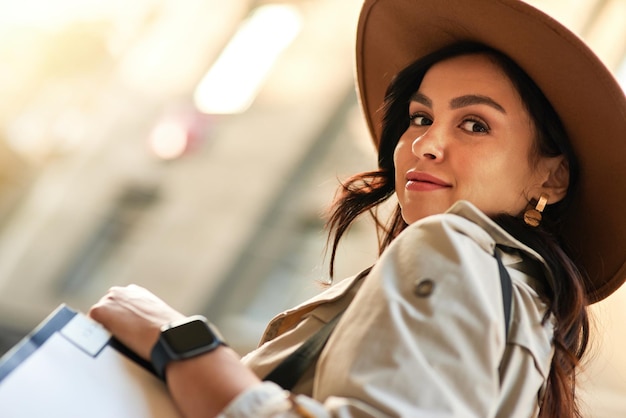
pixel 219 373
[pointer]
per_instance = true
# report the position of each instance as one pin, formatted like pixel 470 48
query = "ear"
pixel 556 178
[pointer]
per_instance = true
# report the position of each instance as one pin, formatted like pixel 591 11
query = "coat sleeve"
pixel 424 336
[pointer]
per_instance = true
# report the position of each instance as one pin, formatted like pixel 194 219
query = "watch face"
pixel 191 336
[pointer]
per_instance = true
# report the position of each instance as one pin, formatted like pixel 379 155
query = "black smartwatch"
pixel 184 339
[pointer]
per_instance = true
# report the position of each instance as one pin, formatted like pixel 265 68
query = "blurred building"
pixel 116 167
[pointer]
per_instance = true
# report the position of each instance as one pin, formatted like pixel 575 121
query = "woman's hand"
pixel 134 316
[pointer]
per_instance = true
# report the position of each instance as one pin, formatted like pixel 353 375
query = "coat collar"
pixel 285 320
pixel 495 236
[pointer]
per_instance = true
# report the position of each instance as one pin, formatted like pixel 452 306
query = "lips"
pixel 420 181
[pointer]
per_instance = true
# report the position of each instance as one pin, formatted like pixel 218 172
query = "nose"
pixel 428 145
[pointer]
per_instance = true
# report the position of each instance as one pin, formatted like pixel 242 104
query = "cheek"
pixel 487 177
pixel 399 159
pixel 509 181
pixel 400 166
pixel 399 150
pixel 404 149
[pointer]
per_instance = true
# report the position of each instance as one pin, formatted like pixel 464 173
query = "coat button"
pixel 423 288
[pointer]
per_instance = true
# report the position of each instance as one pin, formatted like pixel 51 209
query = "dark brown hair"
pixel 565 295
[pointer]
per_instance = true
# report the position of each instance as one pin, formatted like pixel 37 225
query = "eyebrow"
pixel 420 98
pixel 474 99
pixel 461 101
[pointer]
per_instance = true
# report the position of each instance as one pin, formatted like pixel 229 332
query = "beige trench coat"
pixel 422 335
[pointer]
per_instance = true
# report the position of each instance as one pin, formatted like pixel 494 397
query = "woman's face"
pixel 469 138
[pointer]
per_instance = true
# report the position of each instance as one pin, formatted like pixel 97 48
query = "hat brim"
pixel 392 34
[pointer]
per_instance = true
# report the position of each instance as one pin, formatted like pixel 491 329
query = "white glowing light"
pixel 233 82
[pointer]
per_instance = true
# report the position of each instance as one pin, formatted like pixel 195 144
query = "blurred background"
pixel 192 146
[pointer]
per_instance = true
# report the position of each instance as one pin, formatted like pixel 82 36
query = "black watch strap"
pixel 159 359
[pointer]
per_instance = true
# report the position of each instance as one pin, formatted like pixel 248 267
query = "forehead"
pixel 470 74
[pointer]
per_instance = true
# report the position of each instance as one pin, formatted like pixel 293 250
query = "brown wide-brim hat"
pixel 392 34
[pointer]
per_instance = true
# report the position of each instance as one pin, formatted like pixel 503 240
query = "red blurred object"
pixel 179 132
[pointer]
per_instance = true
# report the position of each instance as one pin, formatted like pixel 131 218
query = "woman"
pixel 502 138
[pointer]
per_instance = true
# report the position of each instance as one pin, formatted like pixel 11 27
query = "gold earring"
pixel 532 216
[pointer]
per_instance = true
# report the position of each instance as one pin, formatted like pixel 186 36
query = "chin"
pixel 410 218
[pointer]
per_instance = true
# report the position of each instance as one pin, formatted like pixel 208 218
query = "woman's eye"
pixel 420 120
pixel 474 126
